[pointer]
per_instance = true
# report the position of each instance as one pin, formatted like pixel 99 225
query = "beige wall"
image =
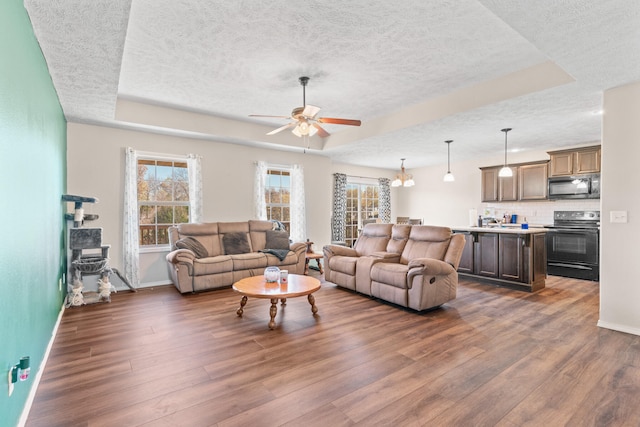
pixel 619 287
pixel 96 168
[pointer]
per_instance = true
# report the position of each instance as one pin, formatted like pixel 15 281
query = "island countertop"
pixel 501 230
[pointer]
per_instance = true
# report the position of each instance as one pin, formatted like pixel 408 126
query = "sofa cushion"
pixel 236 243
pixel 344 264
pixel 212 265
pixel 426 241
pixel 399 237
pixel 248 261
pixel 289 259
pixel 206 233
pixel 193 245
pixel 277 240
pixel 390 274
pixel 374 238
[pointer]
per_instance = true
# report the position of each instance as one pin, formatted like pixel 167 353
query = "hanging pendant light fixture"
pixel 506 170
pixel 403 179
pixel 448 177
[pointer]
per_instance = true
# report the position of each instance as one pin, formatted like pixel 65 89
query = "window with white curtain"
pixel 277 195
pixel 163 198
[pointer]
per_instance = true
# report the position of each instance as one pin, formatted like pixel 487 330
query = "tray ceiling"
pixel 416 73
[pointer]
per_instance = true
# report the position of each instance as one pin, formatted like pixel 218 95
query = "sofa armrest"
pixel 297 246
pixel 333 250
pixel 182 256
pixel 427 267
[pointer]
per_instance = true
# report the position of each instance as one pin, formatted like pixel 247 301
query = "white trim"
pixel 160 156
pixel 620 328
pixel 284 168
pixel 362 180
pixel 154 284
pixel 148 249
pixel 36 381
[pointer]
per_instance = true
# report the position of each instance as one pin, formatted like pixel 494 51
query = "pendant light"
pixel 403 179
pixel 448 177
pixel 506 170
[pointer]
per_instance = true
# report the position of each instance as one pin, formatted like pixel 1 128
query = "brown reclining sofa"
pixel 217 254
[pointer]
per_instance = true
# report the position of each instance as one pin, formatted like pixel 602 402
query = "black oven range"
pixel 573 248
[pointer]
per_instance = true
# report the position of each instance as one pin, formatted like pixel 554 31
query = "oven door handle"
pixel 572 231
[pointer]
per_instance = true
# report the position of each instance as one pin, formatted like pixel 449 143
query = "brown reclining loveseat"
pixel 410 265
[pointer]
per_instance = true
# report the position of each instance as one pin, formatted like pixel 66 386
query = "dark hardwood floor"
pixel 492 357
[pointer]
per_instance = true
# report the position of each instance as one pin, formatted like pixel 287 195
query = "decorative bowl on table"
pixel 271 274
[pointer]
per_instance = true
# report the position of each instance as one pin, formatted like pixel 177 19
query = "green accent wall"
pixel 32 181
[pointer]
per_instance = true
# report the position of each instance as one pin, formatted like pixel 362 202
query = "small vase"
pixel 271 274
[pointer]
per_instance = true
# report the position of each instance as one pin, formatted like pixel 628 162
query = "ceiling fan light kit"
pixel 448 177
pixel 403 179
pixel 305 123
pixel 506 171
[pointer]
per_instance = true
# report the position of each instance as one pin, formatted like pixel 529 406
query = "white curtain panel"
pixel 298 214
pixel 194 164
pixel 259 202
pixel 130 227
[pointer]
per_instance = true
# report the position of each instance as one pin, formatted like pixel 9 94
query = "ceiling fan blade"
pixel 336 121
pixel 310 111
pixel 281 128
pixel 274 117
pixel 321 132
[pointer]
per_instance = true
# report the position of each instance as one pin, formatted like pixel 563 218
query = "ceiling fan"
pixel 304 118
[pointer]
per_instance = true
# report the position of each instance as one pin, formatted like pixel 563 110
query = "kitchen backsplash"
pixel 537 212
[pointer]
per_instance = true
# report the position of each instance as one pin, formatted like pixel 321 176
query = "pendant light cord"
pixel 505 130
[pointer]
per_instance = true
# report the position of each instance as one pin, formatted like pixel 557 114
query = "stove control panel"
pixel 576 215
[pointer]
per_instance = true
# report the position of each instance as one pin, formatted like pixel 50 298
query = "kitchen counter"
pixel 513 229
pixel 505 256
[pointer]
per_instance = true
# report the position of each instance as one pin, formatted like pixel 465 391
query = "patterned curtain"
pixel 384 200
pixel 130 236
pixel 195 187
pixel 259 202
pixel 339 217
pixel 298 213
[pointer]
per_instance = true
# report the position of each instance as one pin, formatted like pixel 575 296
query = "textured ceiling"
pixel 415 72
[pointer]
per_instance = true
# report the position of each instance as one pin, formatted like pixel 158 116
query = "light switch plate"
pixel 618 216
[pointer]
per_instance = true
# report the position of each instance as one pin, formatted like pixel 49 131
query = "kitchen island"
pixel 512 257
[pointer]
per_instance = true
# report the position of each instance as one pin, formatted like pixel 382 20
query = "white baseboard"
pixel 38 376
pixel 620 328
pixel 146 285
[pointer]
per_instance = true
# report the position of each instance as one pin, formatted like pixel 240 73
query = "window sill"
pixel 154 249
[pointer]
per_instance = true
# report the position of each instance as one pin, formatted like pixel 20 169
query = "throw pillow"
pixel 193 245
pixel 277 240
pixel 236 243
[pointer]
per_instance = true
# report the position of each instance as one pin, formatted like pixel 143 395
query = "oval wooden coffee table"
pixel 296 286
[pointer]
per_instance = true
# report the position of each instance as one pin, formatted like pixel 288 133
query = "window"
pixel 163 198
pixel 362 203
pixel 277 193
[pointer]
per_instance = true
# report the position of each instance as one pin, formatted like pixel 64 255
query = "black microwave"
pixel 574 187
